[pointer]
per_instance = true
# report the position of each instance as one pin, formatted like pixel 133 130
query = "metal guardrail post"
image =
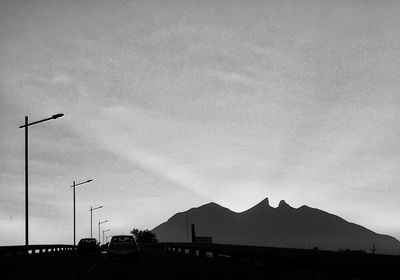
pixel 12 251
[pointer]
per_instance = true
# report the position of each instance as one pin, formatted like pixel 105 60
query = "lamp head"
pixel 56 116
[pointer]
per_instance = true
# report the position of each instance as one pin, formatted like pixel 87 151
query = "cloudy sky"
pixel 172 104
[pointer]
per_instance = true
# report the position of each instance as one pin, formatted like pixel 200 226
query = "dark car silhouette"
pixel 104 247
pixel 88 246
pixel 123 246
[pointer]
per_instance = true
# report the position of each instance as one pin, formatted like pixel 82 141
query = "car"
pixel 104 248
pixel 88 246
pixel 122 246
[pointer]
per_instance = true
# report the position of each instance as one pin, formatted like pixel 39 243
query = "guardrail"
pixel 242 251
pixel 9 251
pixel 342 263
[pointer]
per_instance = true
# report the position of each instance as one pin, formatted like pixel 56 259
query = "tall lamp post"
pixel 99 227
pixel 103 234
pixel 74 186
pixel 26 125
pixel 91 219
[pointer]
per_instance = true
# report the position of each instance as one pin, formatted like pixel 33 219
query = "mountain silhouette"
pixel 283 226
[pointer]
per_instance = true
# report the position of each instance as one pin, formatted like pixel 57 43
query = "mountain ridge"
pixel 282 226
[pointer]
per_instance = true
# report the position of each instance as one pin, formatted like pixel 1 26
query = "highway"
pixel 152 264
pixel 155 263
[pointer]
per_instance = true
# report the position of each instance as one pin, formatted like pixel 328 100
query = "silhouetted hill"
pixel 283 226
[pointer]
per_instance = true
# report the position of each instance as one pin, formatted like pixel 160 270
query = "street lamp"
pixel 91 219
pixel 99 227
pixel 74 186
pixel 26 125
pixel 104 232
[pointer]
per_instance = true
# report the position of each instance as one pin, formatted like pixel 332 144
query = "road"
pixel 153 264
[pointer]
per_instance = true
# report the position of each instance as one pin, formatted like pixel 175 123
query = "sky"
pixel 173 104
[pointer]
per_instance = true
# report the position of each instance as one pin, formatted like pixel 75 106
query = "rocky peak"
pixel 283 205
pixel 265 202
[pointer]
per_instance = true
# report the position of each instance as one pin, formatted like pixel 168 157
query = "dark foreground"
pixel 154 263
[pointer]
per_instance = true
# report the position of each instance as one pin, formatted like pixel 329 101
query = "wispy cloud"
pixel 234 77
pixel 204 101
pixel 115 131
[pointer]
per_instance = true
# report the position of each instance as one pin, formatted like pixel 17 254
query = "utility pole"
pixel 99 228
pixel 187 228
pixel 373 249
pixel 74 185
pixel 26 184
pixel 25 126
pixel 193 233
pixel 91 219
